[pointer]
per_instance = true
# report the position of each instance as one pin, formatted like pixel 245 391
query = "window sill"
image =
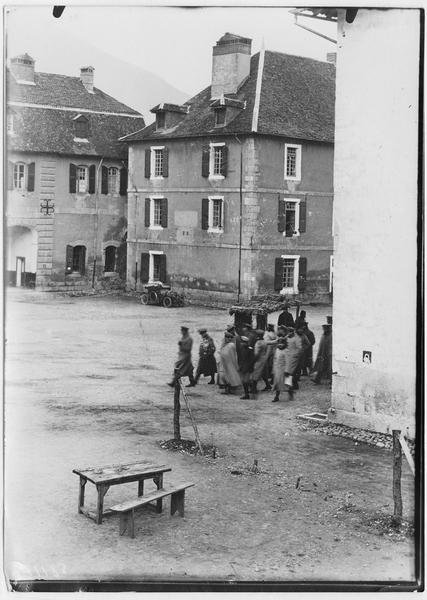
pixel 85 140
pixel 294 235
pixel 287 291
pixel 156 227
pixel 215 230
pixel 296 179
pixel 216 177
pixel 157 177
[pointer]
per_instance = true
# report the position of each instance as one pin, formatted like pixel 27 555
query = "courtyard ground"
pixel 86 385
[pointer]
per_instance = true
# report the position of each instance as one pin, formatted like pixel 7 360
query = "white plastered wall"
pixel 375 220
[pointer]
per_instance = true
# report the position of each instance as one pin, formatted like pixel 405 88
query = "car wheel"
pixel 144 299
pixel 167 301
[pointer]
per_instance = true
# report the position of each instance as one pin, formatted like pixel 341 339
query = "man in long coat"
pixel 207 362
pixel 260 366
pixel 184 366
pixel 229 368
pixel 246 365
pixel 296 344
pixel 323 364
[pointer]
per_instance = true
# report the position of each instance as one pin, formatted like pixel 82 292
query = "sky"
pixel 172 42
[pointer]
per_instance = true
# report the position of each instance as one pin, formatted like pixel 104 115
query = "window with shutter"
pixel 19 176
pixel 164 213
pixel 216 214
pixel 82 179
pixel 302 216
pixel 166 162
pixel 290 272
pixel 289 216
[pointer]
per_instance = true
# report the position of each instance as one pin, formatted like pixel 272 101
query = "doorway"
pixel 20 271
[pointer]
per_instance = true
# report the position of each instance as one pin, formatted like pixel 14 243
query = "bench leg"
pixel 81 494
pixel 158 480
pixel 141 487
pixel 127 522
pixel 177 503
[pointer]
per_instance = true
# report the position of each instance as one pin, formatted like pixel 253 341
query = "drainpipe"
pixel 95 241
pixel 240 219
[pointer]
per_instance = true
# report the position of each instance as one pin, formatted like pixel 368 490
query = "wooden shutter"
pixel 163 273
pixel 145 267
pixel 205 213
pixel 224 164
pixel 31 176
pixel 147 212
pixel 147 163
pixel 302 274
pixel 123 181
pixel 206 153
pixel 280 214
pixel 73 178
pixel 92 175
pixel 165 162
pixel 223 215
pixel 278 274
pixel 68 259
pixel 302 216
pixel 10 175
pixel 164 213
pixel 104 180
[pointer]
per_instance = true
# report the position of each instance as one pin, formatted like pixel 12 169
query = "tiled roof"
pixel 297 101
pixel 52 131
pixel 61 90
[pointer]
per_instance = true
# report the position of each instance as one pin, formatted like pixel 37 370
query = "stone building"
pixel 230 194
pixel 66 207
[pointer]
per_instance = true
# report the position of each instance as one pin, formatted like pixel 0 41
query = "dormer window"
pixel 160 120
pixel 81 127
pixel 220 116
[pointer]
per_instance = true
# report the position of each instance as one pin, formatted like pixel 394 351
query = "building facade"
pixel 376 177
pixel 230 195
pixel 66 207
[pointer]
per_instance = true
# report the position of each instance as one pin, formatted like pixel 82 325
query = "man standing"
pixel 246 365
pixel 184 366
pixel 285 318
pixel 207 362
pixel 260 366
pixel 323 365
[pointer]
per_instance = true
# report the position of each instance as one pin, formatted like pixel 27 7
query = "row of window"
pixel 83 180
pixel 75 259
pixel 215 162
pixel 292 215
pixel 290 273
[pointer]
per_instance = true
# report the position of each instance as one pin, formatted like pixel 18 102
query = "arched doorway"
pixel 110 259
pixel 21 261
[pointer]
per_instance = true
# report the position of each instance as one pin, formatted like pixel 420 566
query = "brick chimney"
pixel 22 68
pixel 86 76
pixel 331 57
pixel 231 62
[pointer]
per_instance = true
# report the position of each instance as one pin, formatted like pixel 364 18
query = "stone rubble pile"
pixel 373 438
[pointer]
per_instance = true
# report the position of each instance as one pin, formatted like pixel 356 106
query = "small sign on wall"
pixel 367 357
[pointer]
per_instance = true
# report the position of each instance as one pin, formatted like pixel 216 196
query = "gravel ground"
pixel 86 385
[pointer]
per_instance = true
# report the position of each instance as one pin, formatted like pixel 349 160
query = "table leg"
pixel 158 480
pixel 102 490
pixel 81 494
pixel 141 487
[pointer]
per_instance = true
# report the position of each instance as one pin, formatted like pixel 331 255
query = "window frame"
pixel 79 121
pixel 152 254
pixel 295 258
pixel 212 146
pixel 297 176
pixel 153 199
pixel 24 178
pixel 211 228
pixel 297 202
pixel 161 119
pixel 219 112
pixel 86 179
pixel 153 150
pixel 116 188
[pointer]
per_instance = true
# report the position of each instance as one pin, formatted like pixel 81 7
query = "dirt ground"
pixel 86 385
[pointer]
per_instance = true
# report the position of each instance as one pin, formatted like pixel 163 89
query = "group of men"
pixel 246 357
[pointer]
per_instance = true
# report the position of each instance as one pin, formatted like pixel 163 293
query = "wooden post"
pixel 397 474
pixel 176 410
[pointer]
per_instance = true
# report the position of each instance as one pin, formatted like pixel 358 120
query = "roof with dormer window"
pixel 297 100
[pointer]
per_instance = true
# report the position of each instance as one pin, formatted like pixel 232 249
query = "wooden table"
pixel 104 477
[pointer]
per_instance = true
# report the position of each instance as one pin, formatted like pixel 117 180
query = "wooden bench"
pixel 126 509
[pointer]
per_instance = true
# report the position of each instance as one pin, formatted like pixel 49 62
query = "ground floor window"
pixel 110 259
pixel 289 268
pixel 290 274
pixel 153 267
